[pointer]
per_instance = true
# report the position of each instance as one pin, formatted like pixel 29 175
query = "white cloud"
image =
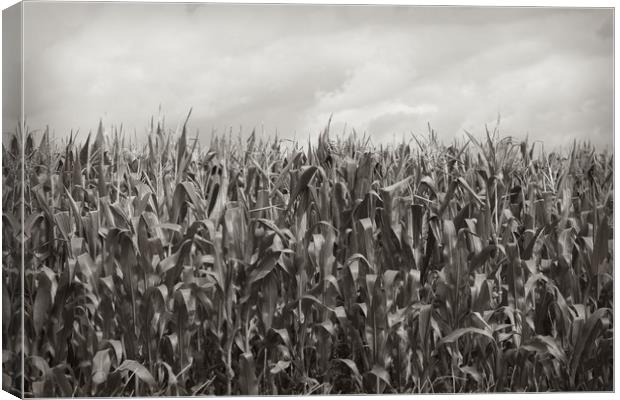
pixel 385 70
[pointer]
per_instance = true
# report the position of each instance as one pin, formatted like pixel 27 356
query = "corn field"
pixel 253 266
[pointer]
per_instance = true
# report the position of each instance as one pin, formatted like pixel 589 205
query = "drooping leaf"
pixel 138 370
pixel 101 366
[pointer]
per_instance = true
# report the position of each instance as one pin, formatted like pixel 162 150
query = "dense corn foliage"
pixel 254 267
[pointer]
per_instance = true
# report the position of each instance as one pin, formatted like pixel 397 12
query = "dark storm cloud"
pixel 385 70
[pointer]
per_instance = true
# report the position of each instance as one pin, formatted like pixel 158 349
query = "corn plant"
pixel 253 266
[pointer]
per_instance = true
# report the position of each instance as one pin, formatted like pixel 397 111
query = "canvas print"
pixel 287 199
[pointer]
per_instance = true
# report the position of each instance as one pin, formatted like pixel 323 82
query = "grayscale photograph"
pixel 221 199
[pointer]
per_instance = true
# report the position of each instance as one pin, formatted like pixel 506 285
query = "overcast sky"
pixel 385 70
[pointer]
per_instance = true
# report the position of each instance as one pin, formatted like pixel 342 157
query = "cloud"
pixel 385 70
pixel 11 68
